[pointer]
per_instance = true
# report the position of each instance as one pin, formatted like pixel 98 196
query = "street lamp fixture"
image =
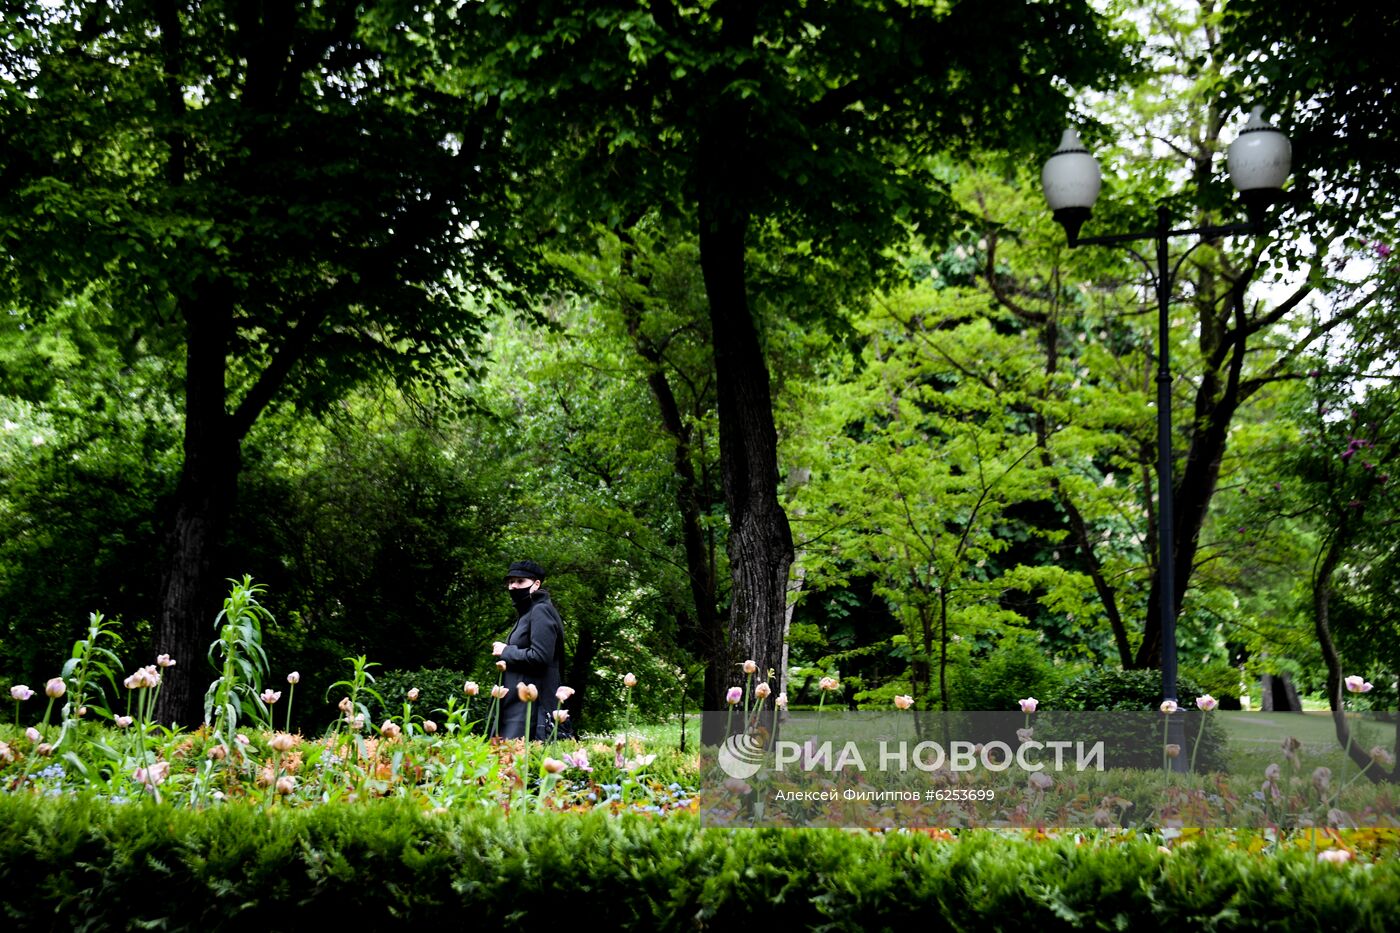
pixel 1258 162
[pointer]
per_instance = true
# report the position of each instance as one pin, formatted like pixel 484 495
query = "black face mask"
pixel 522 598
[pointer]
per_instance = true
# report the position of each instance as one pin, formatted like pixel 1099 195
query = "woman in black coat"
pixel 533 654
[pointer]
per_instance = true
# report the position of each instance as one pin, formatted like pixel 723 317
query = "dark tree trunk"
pixel 190 584
pixel 760 540
pixel 580 673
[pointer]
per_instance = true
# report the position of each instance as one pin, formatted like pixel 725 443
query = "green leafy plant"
pixel 238 656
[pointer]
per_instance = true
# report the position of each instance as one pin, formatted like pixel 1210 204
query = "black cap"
pixel 526 569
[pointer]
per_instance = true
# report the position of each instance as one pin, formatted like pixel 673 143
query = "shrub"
pixel 435 686
pixel 83 864
pixel 1108 689
pixel 1014 670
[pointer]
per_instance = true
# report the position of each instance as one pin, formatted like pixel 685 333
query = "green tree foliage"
pixel 935 375
pixel 261 189
pixel 88 452
pixel 811 124
pixel 1326 67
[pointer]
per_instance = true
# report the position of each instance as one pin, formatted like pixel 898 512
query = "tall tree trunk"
pixel 190 586
pixel 760 539
pixel 1322 601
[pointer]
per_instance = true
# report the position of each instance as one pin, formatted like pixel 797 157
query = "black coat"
pixel 534 654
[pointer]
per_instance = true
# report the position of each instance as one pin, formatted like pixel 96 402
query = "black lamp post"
pixel 1258 162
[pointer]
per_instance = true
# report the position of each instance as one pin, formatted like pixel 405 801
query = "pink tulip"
pixel 286 784
pixel 629 680
pixel 471 688
pixel 561 716
pixel 762 690
pixel 413 695
pixel 56 688
pixel 1358 684
pixel 563 694
pixel 165 660
pixel 1335 856
pixel 20 692
pixel 528 693
pixel 554 765
pixel 1029 704
pixel 294 678
pixel 1206 703
pixel 750 667
pixel 271 696
pixel 499 692
pixel 390 729
pixel 429 726
pixel 734 695
pixel 33 735
pixel 903 701
pixel 1169 706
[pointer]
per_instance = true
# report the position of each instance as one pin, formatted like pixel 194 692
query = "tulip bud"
pixel 499 692
pixel 762 690
pixel 346 706
pixel 55 688
pixel 390 729
pixel 286 784
pixel 282 742
pixel 165 660
pixel 471 688
pixel 1173 751
pixel 903 701
pixel 429 726
pixel 629 680
pixel 294 677
pixel 563 694
pixel 561 716
pixel 554 765
pixel 750 667
pixel 413 695
pixel 734 695
pixel 33 735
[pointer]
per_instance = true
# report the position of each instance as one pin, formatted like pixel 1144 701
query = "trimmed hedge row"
pixel 75 864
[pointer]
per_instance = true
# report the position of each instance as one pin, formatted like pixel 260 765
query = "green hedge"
pixel 75 864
